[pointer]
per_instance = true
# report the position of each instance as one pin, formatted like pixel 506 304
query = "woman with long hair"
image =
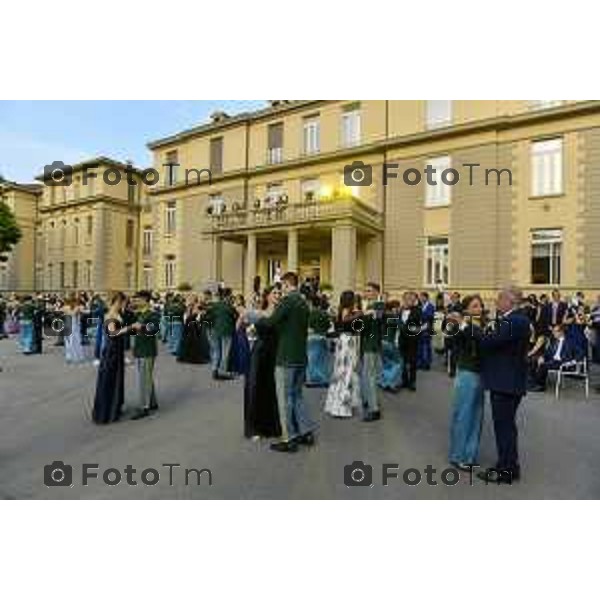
pixel 240 347
pixel 261 414
pixel 193 347
pixel 467 411
pixel 74 352
pixel 343 395
pixel 110 384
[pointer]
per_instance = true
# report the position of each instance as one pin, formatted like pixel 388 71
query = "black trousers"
pixel 504 411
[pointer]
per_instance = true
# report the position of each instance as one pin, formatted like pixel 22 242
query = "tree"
pixel 10 233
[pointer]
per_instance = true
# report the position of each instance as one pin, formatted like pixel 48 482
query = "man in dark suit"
pixel 554 311
pixel 559 352
pixel 221 316
pixel 504 347
pixel 410 324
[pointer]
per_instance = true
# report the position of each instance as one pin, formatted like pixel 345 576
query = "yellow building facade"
pixel 88 231
pixel 18 271
pixel 526 211
pixel 525 208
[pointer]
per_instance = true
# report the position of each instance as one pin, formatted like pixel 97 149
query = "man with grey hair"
pixel 504 373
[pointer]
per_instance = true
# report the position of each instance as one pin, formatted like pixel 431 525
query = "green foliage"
pixel 10 233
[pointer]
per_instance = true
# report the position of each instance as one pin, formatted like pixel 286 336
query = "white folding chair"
pixel 574 369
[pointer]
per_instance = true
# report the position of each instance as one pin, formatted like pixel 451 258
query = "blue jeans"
pixel 175 335
pixel 293 414
pixel 467 418
pixel 370 366
pixel 219 353
pixel 319 363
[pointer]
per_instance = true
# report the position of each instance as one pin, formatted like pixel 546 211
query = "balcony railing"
pixel 296 214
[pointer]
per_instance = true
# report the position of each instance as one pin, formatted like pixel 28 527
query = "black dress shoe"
pixel 153 408
pixel 289 446
pixel 500 476
pixel 308 439
pixel 140 414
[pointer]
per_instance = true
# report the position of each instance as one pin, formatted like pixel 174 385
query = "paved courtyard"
pixel 44 416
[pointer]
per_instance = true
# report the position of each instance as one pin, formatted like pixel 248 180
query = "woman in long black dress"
pixel 193 347
pixel 110 385
pixel 261 416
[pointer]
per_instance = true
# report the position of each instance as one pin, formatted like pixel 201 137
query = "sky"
pixel 35 133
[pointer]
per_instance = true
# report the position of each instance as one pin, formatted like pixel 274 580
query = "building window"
pixel 88 273
pixel 310 189
pixel 437 194
pixel 171 165
pixel 546 250
pixel 76 231
pixel 131 193
pixel 436 261
pixel 90 227
pixel 438 113
pixel 50 280
pixel 63 233
pixel 216 203
pixel 147 241
pixel 147 277
pixel 171 218
pixel 547 167
pixel 216 156
pixel 91 186
pixel 75 274
pixel 275 141
pixel 61 275
pixel 170 273
pixel 543 104
pixel 311 135
pixel 129 231
pixel 351 126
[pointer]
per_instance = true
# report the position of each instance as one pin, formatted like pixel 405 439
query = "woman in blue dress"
pixel 318 371
pixel 390 378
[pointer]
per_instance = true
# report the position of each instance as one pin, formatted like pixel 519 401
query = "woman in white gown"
pixel 74 350
pixel 343 395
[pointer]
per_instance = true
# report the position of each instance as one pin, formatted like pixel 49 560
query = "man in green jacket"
pixel 146 327
pixel 290 320
pixel 222 317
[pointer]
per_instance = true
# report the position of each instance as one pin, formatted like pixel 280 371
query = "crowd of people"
pixel 291 335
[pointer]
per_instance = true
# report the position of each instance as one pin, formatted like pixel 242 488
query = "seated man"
pixel 559 351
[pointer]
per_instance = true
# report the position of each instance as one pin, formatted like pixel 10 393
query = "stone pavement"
pixel 44 416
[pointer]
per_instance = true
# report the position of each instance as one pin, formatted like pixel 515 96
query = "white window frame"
pixel 274 192
pixel 170 272
pixel 547 167
pixel 311 135
pixel 438 113
pixel 350 128
pixel 438 252
pixel 147 241
pixel 440 194
pixel 553 238
pixel 147 277
pixel 171 218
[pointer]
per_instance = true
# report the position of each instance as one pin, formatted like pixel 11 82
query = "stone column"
pixel 343 257
pixel 292 250
pixel 250 265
